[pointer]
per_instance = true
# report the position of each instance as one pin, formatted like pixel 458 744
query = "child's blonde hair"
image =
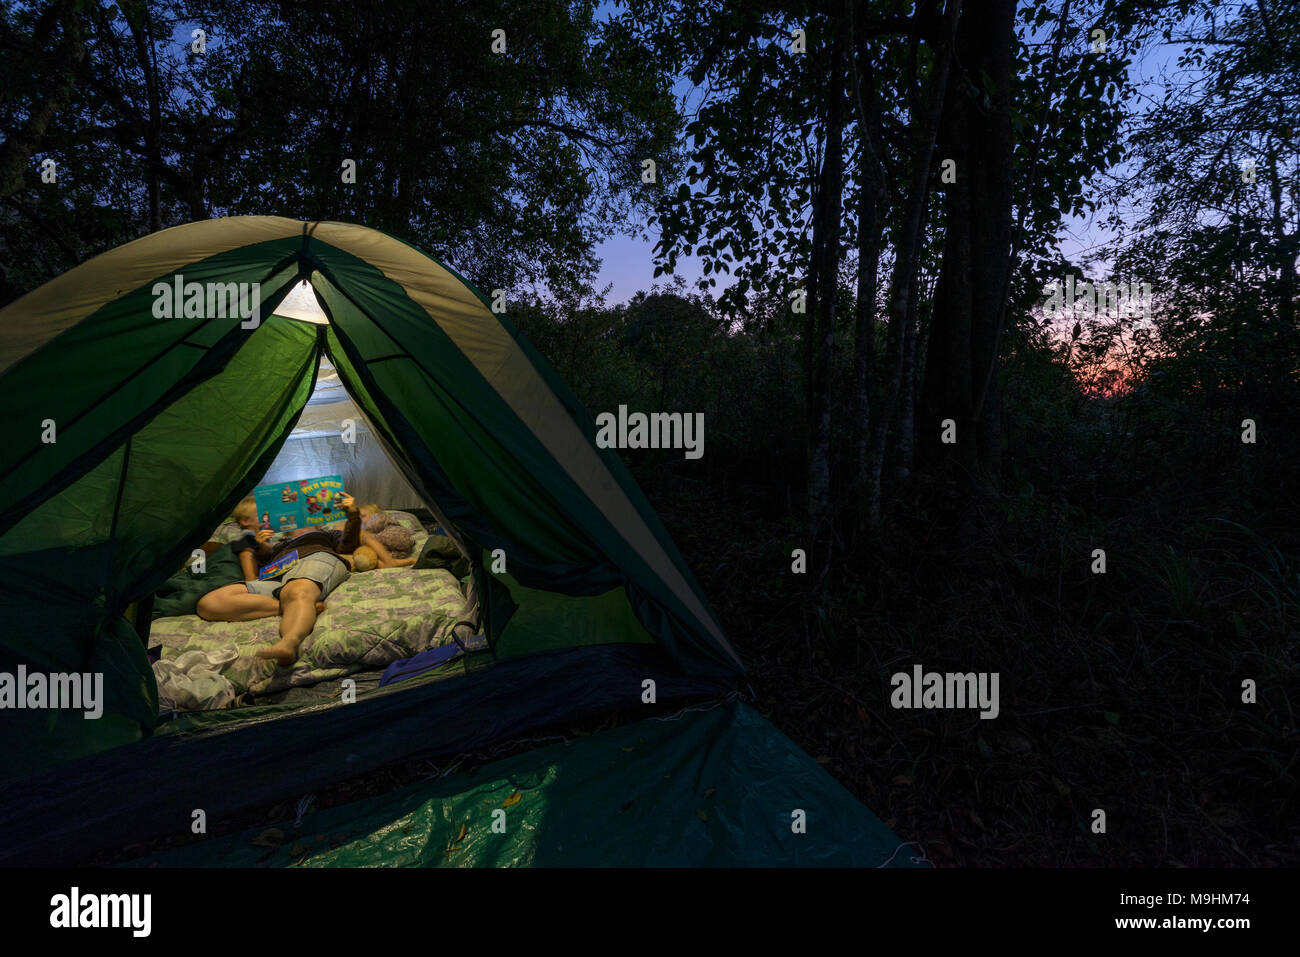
pixel 371 509
pixel 247 508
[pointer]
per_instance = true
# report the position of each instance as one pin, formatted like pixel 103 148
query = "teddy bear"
pixel 394 536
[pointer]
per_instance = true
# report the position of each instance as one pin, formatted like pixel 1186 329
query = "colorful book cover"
pixel 279 566
pixel 305 503
pixel 319 500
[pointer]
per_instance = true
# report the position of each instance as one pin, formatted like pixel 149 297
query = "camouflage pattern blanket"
pixel 371 620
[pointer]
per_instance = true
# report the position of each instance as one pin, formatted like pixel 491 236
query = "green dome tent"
pixel 149 389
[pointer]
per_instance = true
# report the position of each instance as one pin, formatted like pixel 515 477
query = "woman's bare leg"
pixel 299 604
pixel 236 603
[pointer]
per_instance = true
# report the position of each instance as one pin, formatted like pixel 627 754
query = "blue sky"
pixel 629 265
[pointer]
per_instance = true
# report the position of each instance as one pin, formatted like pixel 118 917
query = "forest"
pixel 988 309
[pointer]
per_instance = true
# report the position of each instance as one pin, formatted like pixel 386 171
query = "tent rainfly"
pixel 152 387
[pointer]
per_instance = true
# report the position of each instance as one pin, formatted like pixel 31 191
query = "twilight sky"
pixel 628 263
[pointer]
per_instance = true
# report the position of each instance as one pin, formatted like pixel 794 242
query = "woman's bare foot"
pixel 283 652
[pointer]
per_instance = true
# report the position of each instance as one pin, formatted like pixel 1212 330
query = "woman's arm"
pixel 351 540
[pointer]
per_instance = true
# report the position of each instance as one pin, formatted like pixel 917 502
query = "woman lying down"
pixel 325 560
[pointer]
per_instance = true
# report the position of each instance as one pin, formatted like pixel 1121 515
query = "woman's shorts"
pixel 324 569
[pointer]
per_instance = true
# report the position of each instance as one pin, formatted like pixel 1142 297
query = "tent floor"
pixel 714 785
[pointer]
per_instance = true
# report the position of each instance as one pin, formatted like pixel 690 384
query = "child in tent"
pixel 245 514
pixel 392 543
pixel 378 528
pixel 325 560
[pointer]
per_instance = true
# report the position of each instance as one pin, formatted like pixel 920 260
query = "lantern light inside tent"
pixel 301 303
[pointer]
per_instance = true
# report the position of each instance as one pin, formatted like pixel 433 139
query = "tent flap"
pixel 713 787
pixel 140 426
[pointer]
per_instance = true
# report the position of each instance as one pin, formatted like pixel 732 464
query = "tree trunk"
pixel 924 117
pixel 826 226
pixel 809 341
pixel 1284 244
pixel 961 382
pixel 142 33
pixel 991 244
pixel 871 202
pixel 907 400
pixel 18 149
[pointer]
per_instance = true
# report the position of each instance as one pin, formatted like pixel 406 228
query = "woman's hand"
pixel 347 501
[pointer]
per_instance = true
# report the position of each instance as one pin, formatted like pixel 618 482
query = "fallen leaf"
pixel 628 748
pixel 464 829
pixel 709 792
pixel 512 800
pixel 903 780
pixel 701 815
pixel 824 759
pixel 1061 787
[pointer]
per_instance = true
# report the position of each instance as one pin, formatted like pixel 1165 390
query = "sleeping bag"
pixel 180 594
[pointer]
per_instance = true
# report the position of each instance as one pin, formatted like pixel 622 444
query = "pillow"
pixel 227 532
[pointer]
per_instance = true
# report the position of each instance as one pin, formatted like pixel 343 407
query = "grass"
pixel 1120 692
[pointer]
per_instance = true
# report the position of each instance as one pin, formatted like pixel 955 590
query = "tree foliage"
pixel 512 165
